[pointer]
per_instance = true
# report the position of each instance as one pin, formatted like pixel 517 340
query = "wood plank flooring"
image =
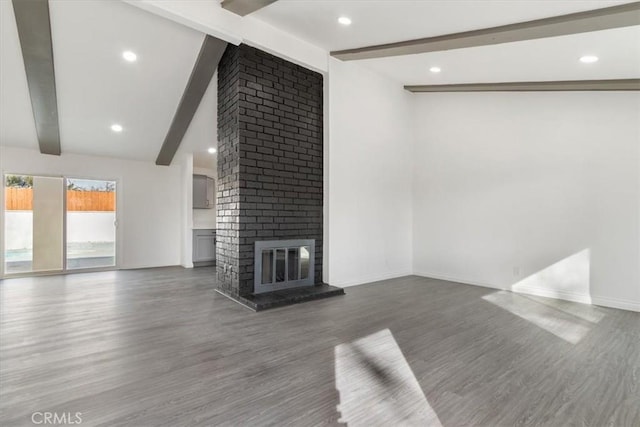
pixel 159 347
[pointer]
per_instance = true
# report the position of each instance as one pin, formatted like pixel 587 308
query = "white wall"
pixel 90 226
pixel 83 226
pixel 369 190
pixel 200 136
pixel 18 230
pixel 538 192
pixel 148 200
pixel 186 210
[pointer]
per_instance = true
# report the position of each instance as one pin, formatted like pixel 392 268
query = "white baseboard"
pixel 369 279
pixel 568 296
pixel 145 266
pixel 552 293
pixel 456 280
pixel 616 303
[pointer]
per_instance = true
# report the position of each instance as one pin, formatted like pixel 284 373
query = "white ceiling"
pixel 555 58
pixel 377 22
pixel 95 86
pixel 16 117
pixel 386 21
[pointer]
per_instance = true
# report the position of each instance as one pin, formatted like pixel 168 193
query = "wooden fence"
pixel 21 199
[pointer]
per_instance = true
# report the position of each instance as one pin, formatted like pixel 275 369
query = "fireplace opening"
pixel 282 264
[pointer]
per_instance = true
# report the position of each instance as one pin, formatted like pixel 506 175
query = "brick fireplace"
pixel 270 171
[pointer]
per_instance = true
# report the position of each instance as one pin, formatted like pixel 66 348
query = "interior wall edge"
pixel 579 297
pixel 621 304
pixel 458 280
pixel 370 279
pixel 145 266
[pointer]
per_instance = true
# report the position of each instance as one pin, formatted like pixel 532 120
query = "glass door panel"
pixel 91 223
pixel 18 224
pixel 34 223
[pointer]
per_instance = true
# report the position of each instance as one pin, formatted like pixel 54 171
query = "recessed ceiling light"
pixel 211 150
pixel 589 59
pixel 344 20
pixel 129 56
pixel 116 127
pixel 435 69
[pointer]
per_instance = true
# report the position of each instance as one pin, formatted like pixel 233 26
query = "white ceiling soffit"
pixel 556 58
pixel 97 87
pixel 387 21
pixel 209 17
pixel 17 126
pixel 206 16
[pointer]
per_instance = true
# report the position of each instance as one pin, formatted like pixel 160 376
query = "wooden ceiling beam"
pixel 575 23
pixel 544 86
pixel 245 7
pixel 34 32
pixel 203 70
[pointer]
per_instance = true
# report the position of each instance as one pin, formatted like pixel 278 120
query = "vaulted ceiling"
pixel 97 88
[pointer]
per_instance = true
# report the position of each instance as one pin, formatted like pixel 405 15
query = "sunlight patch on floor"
pixel 590 313
pixel 563 325
pixel 377 386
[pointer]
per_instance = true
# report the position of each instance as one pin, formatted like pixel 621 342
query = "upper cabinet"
pixel 203 192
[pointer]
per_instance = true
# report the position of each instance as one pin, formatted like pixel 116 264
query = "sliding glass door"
pixel 53 224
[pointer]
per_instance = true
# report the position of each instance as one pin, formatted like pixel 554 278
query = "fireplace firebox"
pixel 283 264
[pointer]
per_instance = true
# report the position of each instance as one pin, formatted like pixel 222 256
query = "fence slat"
pixel 91 201
pixel 18 199
pixel 21 199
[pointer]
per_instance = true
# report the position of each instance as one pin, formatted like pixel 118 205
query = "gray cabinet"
pixel 204 247
pixel 203 192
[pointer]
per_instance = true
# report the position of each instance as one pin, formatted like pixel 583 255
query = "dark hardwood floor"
pixel 159 347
